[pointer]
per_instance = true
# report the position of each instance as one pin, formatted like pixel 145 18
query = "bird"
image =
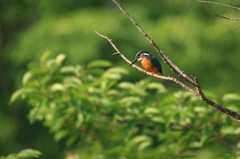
pixel 150 63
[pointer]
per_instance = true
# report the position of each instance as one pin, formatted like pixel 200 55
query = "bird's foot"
pixel 146 71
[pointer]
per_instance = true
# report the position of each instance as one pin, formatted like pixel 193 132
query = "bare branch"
pixel 232 2
pixel 236 29
pixel 149 73
pixel 220 4
pixel 228 144
pixel 227 111
pixel 221 16
pixel 164 57
pixel 194 82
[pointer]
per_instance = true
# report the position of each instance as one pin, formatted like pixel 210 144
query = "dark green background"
pixel 200 43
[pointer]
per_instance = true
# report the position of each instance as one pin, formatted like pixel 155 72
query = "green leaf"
pixel 58 124
pixel 113 92
pixel 133 88
pixel 79 121
pixel 182 94
pixel 50 63
pixel 144 145
pixel 128 101
pixel 158 119
pixel 90 86
pixel 158 86
pixel 237 130
pixel 36 68
pixel 114 73
pixel 61 134
pixel 45 56
pixel 168 100
pixel 72 82
pixel 99 63
pixel 21 92
pixel 139 139
pixel 151 110
pixel 127 85
pixel 113 76
pixel 96 71
pixel 28 153
pixel 59 59
pixel 200 109
pixel 231 97
pixel 119 70
pixel 35 115
pixel 144 82
pixel 238 145
pixel 57 87
pixel 228 130
pixel 26 77
pixel 68 69
pixel 106 85
pixel 129 130
pixel 71 140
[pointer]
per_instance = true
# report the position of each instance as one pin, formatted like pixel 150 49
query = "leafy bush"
pixel 97 115
pixel 24 154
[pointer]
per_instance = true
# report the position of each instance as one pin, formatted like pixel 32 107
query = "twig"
pixel 149 73
pixel 232 2
pixel 164 57
pixel 227 111
pixel 224 17
pixel 194 82
pixel 221 16
pixel 229 144
pixel 220 4
pixel 236 29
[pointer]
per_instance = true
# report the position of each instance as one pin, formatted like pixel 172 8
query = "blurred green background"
pixel 200 43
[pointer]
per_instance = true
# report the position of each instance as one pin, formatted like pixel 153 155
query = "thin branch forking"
pixel 224 17
pixel 221 16
pixel 149 73
pixel 164 57
pixel 194 82
pixel 220 4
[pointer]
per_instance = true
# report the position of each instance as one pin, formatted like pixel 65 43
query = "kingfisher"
pixel 150 63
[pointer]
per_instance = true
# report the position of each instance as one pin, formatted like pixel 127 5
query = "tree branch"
pixel 149 73
pixel 228 144
pixel 224 17
pixel 220 4
pixel 194 82
pixel 227 111
pixel 232 2
pixel 164 57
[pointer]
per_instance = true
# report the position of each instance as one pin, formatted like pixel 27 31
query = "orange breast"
pixel 147 65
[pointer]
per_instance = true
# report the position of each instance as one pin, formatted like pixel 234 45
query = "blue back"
pixel 153 59
pixel 156 63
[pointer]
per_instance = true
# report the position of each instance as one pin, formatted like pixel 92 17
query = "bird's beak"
pixel 135 60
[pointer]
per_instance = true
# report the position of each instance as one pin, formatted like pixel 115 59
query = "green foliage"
pixel 99 116
pixel 24 154
pixel 183 31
